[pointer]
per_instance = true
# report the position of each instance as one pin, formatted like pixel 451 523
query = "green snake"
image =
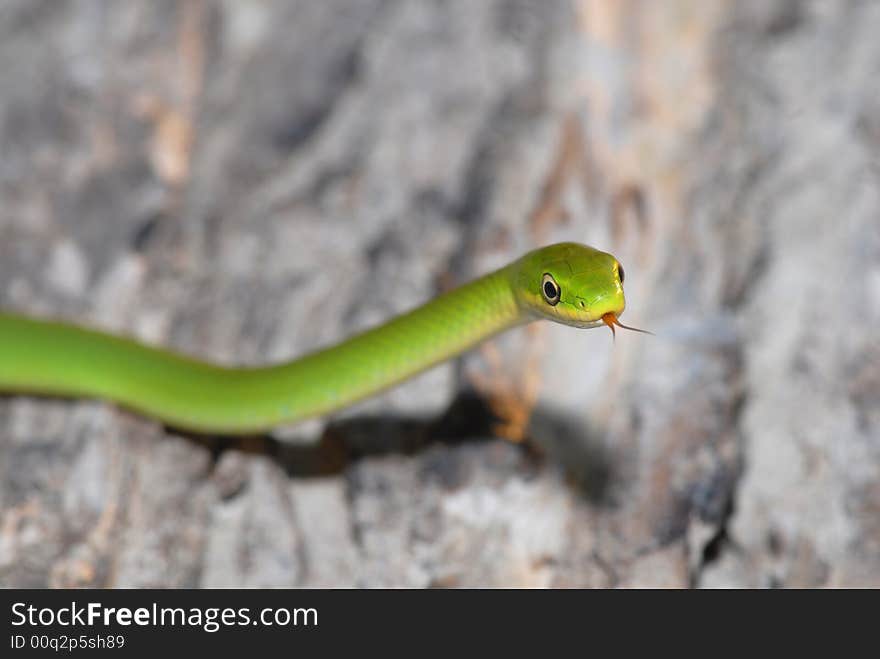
pixel 568 283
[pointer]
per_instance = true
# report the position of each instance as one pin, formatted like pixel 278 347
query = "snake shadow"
pixel 553 438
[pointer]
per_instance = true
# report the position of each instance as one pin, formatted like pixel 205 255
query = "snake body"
pixel 567 282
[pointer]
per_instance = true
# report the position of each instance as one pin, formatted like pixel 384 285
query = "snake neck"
pixel 411 343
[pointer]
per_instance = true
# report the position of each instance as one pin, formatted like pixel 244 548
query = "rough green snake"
pixel 568 283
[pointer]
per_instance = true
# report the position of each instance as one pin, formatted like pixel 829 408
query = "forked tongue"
pixel 611 320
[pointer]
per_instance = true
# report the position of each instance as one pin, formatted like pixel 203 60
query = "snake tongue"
pixel 611 320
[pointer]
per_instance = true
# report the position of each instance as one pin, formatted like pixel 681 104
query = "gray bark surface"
pixel 249 181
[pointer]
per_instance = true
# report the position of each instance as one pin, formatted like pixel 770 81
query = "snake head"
pixel 572 284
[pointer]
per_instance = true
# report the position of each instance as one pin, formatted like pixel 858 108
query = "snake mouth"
pixel 611 320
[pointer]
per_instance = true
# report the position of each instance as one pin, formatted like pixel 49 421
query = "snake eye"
pixel 620 272
pixel 550 289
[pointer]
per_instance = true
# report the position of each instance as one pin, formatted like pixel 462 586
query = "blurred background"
pixel 248 180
